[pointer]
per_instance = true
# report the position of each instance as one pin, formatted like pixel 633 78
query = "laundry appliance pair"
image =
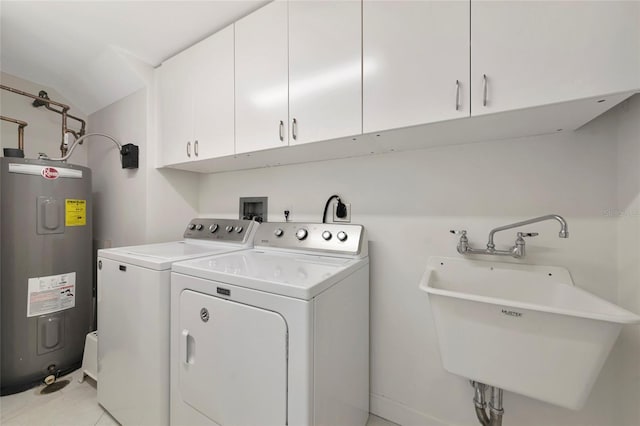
pixel 238 324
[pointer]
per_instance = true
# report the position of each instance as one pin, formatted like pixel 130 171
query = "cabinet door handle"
pixel 484 89
pixel 281 130
pixel 458 95
pixel 294 129
pixel 195 148
pixel 189 149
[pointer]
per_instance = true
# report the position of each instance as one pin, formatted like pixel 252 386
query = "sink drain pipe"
pixel 494 418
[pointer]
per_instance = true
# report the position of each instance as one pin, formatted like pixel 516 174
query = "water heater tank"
pixel 46 290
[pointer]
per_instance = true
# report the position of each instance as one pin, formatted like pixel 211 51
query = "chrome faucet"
pixel 518 249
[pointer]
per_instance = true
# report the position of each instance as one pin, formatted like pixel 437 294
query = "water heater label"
pixel 51 294
pixel 75 212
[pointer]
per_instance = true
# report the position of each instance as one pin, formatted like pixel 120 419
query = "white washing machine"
pixel 275 335
pixel 133 316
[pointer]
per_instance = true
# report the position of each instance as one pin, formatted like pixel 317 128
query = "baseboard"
pixel 401 414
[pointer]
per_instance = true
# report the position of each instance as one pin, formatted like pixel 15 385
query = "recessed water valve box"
pixel 253 208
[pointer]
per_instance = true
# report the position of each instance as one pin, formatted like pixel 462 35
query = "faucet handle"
pixel 462 232
pixel 527 234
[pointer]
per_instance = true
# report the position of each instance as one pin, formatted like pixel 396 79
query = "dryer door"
pixel 233 361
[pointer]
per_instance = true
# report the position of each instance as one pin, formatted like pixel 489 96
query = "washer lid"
pixel 160 256
pixel 302 276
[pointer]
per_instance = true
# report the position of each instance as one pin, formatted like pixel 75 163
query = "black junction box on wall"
pixel 129 153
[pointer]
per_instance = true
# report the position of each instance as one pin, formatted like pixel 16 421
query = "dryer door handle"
pixel 186 347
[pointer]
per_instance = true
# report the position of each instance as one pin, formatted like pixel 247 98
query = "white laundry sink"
pixel 522 328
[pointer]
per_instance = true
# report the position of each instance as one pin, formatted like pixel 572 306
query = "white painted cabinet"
pixel 298 74
pixel 541 52
pixel 261 67
pixel 176 108
pixel 196 101
pixel 325 92
pixel 415 62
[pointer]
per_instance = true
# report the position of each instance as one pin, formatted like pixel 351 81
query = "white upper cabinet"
pixel 415 62
pixel 196 101
pixel 531 53
pixel 176 108
pixel 325 70
pixel 213 96
pixel 261 58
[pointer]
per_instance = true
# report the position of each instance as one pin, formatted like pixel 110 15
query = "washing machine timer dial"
pixel 213 228
pixel 301 234
pixel 342 236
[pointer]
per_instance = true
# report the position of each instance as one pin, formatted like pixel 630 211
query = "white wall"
pixel 628 349
pixel 119 195
pixel 44 131
pixel 144 205
pixel 409 201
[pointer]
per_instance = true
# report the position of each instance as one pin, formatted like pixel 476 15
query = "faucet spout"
pixel 564 230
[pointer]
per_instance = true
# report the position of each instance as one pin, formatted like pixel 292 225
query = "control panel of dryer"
pixel 228 230
pixel 324 238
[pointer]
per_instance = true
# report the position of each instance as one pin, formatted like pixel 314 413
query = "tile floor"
pixel 73 405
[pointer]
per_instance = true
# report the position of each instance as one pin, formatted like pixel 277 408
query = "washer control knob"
pixel 278 232
pixel 191 227
pixel 238 229
pixel 199 227
pixel 213 228
pixel 342 236
pixel 326 235
pixel 301 234
pixel 229 228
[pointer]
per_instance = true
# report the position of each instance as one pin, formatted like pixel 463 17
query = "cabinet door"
pixel 261 62
pixel 541 52
pixel 325 72
pixel 213 96
pixel 416 62
pixel 176 108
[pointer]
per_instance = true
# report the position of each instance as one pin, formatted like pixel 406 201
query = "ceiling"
pixel 91 51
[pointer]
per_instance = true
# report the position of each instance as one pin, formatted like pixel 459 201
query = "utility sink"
pixel 522 328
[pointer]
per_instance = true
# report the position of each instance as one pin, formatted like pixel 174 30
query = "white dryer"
pixel 133 316
pixel 275 335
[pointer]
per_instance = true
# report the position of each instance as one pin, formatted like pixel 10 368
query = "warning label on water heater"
pixel 51 294
pixel 75 212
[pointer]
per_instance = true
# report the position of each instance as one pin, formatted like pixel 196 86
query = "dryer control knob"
pixel 213 228
pixel 238 229
pixel 278 232
pixel 326 235
pixel 191 227
pixel 199 227
pixel 342 236
pixel 301 234
pixel 229 228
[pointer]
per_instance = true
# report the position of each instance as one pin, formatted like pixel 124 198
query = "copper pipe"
pixel 83 124
pixel 65 108
pixel 20 92
pixel 38 103
pixel 21 125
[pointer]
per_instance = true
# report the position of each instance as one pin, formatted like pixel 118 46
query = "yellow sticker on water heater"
pixel 75 212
